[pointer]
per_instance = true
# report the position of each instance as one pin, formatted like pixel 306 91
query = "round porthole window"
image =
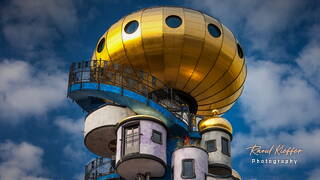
pixel 101 45
pixel 173 21
pixel 240 51
pixel 214 30
pixel 131 27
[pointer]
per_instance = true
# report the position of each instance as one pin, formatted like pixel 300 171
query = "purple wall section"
pixel 147 146
pixel 200 157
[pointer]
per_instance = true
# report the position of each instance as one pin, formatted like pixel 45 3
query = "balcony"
pixel 142 83
pixel 101 168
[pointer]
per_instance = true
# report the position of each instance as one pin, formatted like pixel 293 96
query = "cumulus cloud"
pixel 29 24
pixel 70 126
pixel 278 105
pixel 309 61
pixel 277 97
pixel 74 151
pixel 314 174
pixel 27 91
pixel 21 162
pixel 309 58
pixel 260 22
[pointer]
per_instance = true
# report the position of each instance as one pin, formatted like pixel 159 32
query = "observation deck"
pixel 94 83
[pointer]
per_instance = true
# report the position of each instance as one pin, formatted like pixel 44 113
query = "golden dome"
pixel 236 174
pixel 215 122
pixel 186 49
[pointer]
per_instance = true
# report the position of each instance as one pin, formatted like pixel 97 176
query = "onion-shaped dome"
pixel 215 122
pixel 236 174
pixel 185 49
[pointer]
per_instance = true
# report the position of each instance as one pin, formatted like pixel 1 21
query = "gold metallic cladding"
pixel 152 38
pixel 133 43
pixel 173 43
pixel 215 122
pixel 103 55
pixel 208 112
pixel 222 64
pixel 235 72
pixel 228 91
pixel 186 58
pixel 208 57
pixel 115 45
pixel 223 103
pixel 192 47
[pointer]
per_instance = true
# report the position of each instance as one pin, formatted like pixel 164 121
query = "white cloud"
pixel 21 162
pixel 315 174
pixel 27 91
pixel 74 151
pixel 70 126
pixel 309 57
pixel 259 22
pixel 277 97
pixel 29 24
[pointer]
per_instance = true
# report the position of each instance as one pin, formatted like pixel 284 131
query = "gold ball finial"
pixel 215 121
pixel 215 112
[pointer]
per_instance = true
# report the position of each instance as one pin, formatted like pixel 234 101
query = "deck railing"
pixel 105 72
pixel 98 168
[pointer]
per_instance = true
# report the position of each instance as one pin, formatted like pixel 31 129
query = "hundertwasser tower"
pixel 155 88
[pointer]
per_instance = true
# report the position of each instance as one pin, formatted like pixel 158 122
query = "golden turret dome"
pixel 236 174
pixel 215 122
pixel 185 49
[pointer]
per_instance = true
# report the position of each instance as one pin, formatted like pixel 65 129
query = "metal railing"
pixel 143 83
pixel 99 167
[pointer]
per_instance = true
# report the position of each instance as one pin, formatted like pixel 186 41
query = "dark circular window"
pixel 131 27
pixel 101 45
pixel 173 21
pixel 214 30
pixel 240 51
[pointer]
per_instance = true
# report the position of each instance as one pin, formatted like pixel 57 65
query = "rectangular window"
pixel 211 145
pixel 156 136
pixel 188 171
pixel 131 139
pixel 225 146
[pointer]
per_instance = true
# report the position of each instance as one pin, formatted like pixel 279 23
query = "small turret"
pixel 216 136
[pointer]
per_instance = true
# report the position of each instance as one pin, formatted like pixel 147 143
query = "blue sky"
pixel 41 130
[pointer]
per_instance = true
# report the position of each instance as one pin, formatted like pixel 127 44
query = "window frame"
pixel 131 27
pixel 171 18
pixel 152 136
pixel 183 169
pixel 215 145
pixel 228 146
pixel 214 30
pixel 123 143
